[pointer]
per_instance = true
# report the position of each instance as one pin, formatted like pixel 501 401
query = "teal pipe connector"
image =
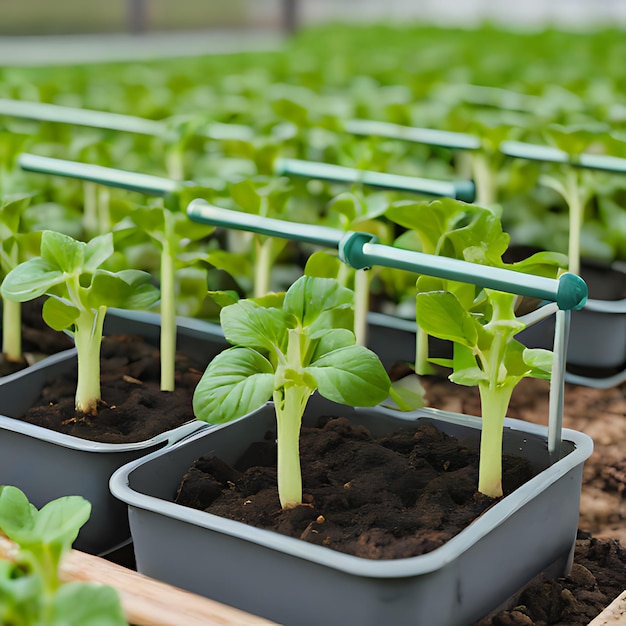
pixel 459 190
pixel 111 177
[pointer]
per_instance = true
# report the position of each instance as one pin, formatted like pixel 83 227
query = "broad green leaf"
pixel 246 323
pixel 406 393
pixel 352 375
pixel 540 362
pixel 333 339
pixel 235 264
pixel 59 314
pixel 469 377
pixel 439 314
pixel 128 289
pixel 309 297
pixel 236 382
pixel 97 251
pixel 246 196
pixel 291 110
pixel 546 264
pixel 17 515
pixel 223 298
pixel 31 279
pixel 322 264
pixel 86 604
pixel 62 252
pixel 59 521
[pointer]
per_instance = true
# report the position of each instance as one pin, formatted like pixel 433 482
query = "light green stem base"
pixel 263 267
pixel 12 330
pixel 168 321
pixel 88 339
pixel 494 402
pixel 361 305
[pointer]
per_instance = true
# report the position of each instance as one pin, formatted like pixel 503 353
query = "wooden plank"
pixel 147 602
pixel 614 614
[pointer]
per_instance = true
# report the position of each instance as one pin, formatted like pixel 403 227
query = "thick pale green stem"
pixel 361 305
pixel 90 208
pixel 262 267
pixel 484 180
pixel 344 273
pixel 12 330
pixel 88 338
pixel 168 320
pixel 104 213
pixel 174 163
pixel 422 366
pixel 576 210
pixel 494 405
pixel 290 400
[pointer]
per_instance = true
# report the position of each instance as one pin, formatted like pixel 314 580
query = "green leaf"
pixel 86 604
pixel 309 297
pixel 333 339
pixel 407 394
pixel 540 362
pixel 59 314
pixel 247 324
pixel 97 251
pixel 62 252
pixel 352 375
pixel 237 381
pixel 59 521
pixel 128 289
pixel 31 279
pixel 246 196
pixel 17 515
pixel 440 314
pixel 322 264
pixel 224 298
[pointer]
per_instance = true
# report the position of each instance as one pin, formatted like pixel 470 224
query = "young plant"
pixel 286 346
pixel 353 212
pixel 15 247
pixel 482 328
pixel 575 185
pixel 31 592
pixel 172 232
pixel 70 272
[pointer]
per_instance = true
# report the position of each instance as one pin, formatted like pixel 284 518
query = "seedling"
pixel 80 291
pixel 15 246
pixel 31 592
pixel 482 328
pixel 286 346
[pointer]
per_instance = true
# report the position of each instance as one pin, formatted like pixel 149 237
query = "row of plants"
pixel 295 337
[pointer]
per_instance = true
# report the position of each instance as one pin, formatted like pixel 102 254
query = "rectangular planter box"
pixel 47 465
pixel 292 582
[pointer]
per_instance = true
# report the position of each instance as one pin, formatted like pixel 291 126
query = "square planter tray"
pixel 46 464
pixel 531 531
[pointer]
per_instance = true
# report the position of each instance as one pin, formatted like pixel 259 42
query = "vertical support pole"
pixel 557 383
pixel 137 16
pixel 290 16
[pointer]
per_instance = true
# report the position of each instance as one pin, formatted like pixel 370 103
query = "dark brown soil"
pixel 399 496
pixel 599 572
pixel 133 407
pixel 38 339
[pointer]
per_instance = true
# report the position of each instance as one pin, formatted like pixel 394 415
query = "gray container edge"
pixel 67 465
pixel 446 587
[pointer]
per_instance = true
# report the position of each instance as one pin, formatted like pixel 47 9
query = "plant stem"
pixel 422 366
pixel 90 208
pixel 343 275
pixel 88 338
pixel 263 266
pixel 168 319
pixel 361 305
pixel 494 402
pixel 12 330
pixel 484 180
pixel 290 400
pixel 174 163
pixel 103 207
pixel 576 209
